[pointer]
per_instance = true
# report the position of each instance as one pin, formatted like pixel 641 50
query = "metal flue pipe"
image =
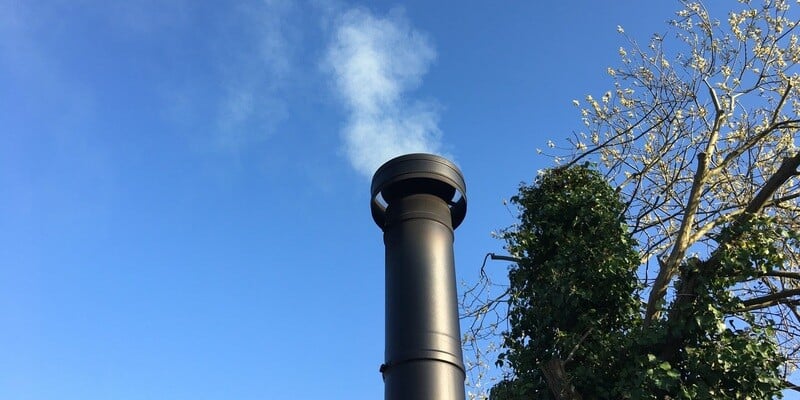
pixel 418 200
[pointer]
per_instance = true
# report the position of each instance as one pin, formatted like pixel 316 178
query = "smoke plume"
pixel 375 62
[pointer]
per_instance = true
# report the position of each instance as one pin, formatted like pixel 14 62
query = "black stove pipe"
pixel 418 200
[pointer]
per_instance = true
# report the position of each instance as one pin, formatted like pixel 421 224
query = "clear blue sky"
pixel 184 185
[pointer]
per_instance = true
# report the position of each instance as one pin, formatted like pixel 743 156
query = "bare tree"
pixel 699 140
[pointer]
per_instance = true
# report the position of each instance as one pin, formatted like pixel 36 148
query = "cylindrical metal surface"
pixel 425 197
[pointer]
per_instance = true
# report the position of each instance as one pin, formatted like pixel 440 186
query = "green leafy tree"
pixel 572 292
pixel 576 322
pixel 698 138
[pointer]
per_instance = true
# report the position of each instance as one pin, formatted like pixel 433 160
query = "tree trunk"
pixel 558 381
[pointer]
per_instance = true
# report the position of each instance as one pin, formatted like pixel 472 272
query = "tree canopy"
pixel 697 143
pixel 576 323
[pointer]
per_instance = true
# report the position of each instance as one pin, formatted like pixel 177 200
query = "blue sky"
pixel 185 185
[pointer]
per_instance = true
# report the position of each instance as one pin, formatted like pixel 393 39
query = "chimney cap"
pixel 419 173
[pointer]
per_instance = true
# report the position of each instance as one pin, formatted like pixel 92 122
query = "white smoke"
pixel 375 62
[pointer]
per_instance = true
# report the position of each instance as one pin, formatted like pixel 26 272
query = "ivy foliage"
pixel 574 286
pixel 576 318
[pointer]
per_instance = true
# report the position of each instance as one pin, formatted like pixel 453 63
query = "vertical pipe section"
pixel 418 200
